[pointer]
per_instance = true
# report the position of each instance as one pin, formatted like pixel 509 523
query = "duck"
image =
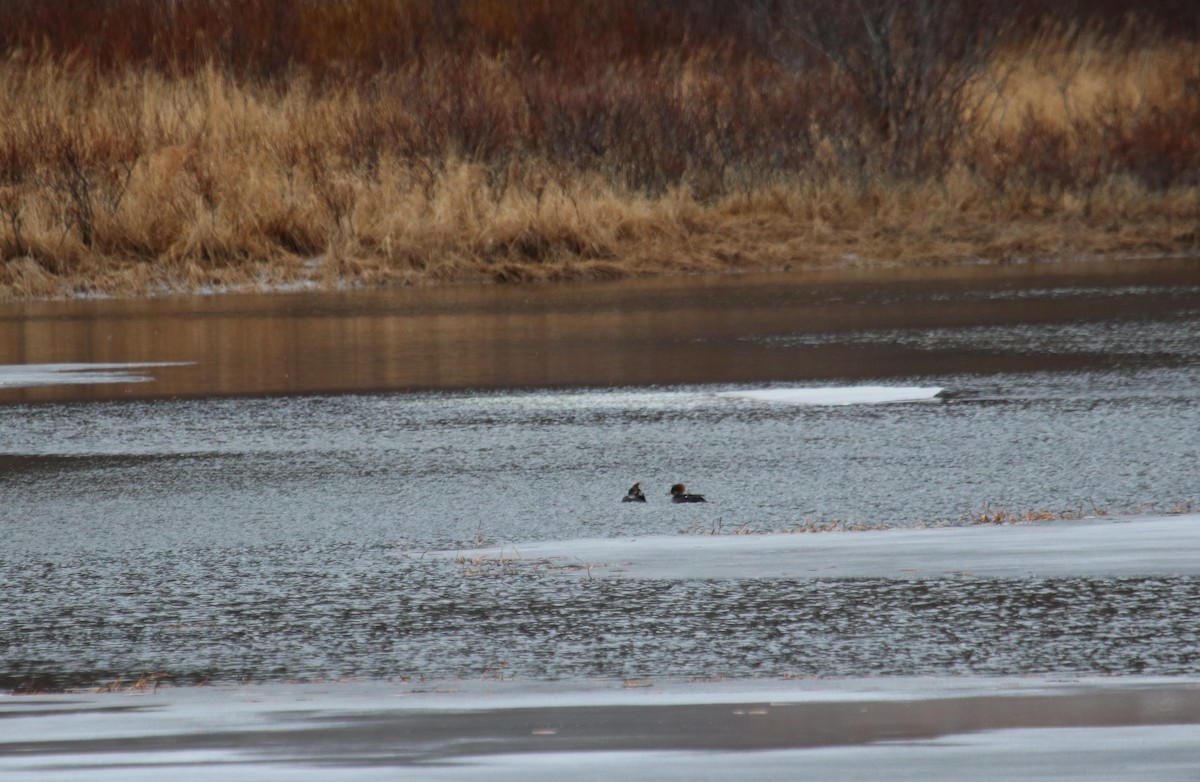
pixel 679 494
pixel 634 494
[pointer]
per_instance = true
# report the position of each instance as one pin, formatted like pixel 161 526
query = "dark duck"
pixel 634 494
pixel 679 494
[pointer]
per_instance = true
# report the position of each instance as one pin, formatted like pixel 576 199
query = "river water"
pixel 261 507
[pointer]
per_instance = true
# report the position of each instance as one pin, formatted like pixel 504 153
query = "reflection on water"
pixel 275 537
pixel 752 328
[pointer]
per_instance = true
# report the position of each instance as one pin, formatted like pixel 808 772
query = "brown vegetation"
pixel 158 145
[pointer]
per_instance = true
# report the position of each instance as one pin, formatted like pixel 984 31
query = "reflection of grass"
pixel 384 143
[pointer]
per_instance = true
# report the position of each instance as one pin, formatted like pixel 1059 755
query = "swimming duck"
pixel 634 494
pixel 679 494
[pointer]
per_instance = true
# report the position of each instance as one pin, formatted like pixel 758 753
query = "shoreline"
pixel 521 145
pixel 85 290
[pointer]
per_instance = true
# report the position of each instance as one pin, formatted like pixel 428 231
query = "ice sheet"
pixel 28 375
pixel 850 395
pixel 1121 546
pixel 904 728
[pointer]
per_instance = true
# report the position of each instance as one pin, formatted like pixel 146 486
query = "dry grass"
pixel 147 682
pixel 1017 516
pixel 986 515
pixel 1004 515
pixel 505 162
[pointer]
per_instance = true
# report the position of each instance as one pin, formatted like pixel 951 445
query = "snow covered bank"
pixel 1121 546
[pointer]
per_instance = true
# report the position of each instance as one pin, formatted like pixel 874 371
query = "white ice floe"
pixel 849 395
pixel 902 728
pixel 29 375
pixel 1119 546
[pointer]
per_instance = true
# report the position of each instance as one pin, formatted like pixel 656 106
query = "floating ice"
pixel 901 728
pixel 1116 547
pixel 850 395
pixel 27 375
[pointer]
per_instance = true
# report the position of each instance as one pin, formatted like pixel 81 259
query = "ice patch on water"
pixel 852 395
pixel 1017 727
pixel 1118 547
pixel 28 375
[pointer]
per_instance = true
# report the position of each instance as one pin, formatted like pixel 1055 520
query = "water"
pixel 263 513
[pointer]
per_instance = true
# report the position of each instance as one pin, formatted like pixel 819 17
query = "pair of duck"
pixel 678 494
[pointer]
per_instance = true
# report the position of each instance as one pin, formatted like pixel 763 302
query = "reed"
pixel 150 147
pixel 144 683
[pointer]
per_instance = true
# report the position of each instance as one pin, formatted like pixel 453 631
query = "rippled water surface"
pixel 236 519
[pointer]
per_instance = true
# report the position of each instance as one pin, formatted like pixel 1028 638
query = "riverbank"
pixel 671 237
pixel 484 142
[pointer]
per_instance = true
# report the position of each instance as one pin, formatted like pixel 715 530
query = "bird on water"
pixel 634 494
pixel 679 494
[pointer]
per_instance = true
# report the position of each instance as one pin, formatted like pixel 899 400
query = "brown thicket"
pixel 158 145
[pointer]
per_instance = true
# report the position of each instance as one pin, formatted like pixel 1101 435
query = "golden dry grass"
pixel 134 182
pixel 147 682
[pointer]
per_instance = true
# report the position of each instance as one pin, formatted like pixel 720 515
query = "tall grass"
pixel 156 145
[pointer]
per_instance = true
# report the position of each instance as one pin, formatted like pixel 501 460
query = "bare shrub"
pixel 909 65
pixel 13 176
pixel 87 161
pixel 395 141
